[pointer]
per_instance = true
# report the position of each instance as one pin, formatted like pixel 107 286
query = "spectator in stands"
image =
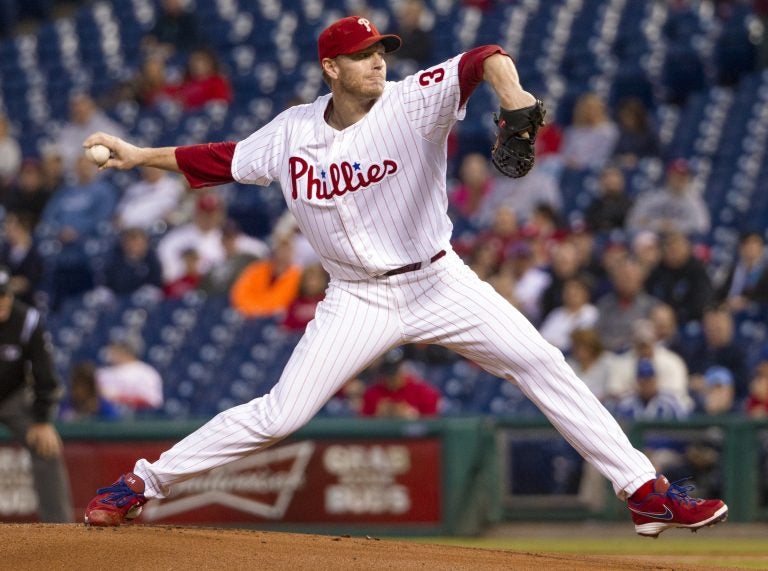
pixel 646 249
pixel 52 166
pixel 28 193
pixel 565 266
pixel 747 279
pixel 190 278
pixel 10 155
pixel 719 346
pixel 637 135
pixel 176 29
pixel 484 259
pixel 590 361
pixel 221 277
pixel 286 227
pixel 149 200
pixel 677 207
pixel 504 232
pixel 590 138
pixel 203 234
pixel 649 400
pixel 85 117
pixel 80 209
pixel 314 281
pixel 608 210
pixel 530 280
pixel 575 313
pixel 680 279
pixel 621 308
pixel 714 394
pixel 127 381
pixel 667 333
pixel 397 392
pixel 85 400
pixel 470 198
pixel 203 82
pixel 19 255
pixel 268 287
pixel 671 372
pixel 133 264
pixel 757 402
pixel 412 26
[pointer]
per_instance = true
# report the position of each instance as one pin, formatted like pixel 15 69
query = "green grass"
pixel 693 550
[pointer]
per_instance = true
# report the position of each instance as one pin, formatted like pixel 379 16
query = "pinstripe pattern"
pixel 444 304
pixel 362 231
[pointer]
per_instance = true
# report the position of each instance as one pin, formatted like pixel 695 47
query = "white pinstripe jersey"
pixel 369 198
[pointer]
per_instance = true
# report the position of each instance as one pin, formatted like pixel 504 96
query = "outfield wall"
pixel 449 476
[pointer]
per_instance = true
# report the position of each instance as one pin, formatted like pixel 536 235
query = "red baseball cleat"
pixel 660 505
pixel 117 503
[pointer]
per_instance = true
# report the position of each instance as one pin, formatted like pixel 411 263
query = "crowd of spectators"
pixel 623 288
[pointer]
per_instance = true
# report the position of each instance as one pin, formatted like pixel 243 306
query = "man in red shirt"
pixel 399 393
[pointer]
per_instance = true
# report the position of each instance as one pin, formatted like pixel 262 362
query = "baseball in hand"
pixel 99 154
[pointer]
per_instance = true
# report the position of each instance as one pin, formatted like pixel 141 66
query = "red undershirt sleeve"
pixel 471 69
pixel 206 165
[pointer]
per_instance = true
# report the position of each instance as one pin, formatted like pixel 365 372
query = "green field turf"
pixel 686 548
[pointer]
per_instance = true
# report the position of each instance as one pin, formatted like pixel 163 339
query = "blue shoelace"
pixel 679 493
pixel 119 494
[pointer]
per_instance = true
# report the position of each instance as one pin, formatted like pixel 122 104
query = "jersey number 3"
pixel 431 77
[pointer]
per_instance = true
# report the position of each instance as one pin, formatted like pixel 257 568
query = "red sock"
pixel 644 490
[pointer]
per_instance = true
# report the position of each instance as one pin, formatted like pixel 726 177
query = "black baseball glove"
pixel 513 152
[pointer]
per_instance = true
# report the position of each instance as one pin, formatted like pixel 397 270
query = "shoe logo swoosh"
pixel 666 515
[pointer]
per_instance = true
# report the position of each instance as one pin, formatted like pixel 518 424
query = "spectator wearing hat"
pixel 203 234
pixel 747 280
pixel 149 200
pixel 398 392
pixel 680 279
pixel 127 381
pixel 715 393
pixel 670 369
pixel 30 391
pixel 133 264
pixel 648 400
pixel 622 307
pixel 678 207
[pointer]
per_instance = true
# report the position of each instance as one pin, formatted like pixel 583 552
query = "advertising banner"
pixel 382 481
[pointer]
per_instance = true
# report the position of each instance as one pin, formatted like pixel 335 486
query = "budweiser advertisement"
pixel 304 482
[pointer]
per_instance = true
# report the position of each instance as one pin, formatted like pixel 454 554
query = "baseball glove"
pixel 513 152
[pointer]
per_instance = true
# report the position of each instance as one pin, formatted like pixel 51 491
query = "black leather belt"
pixel 415 266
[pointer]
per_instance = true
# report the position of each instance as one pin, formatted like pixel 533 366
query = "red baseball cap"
pixel 350 35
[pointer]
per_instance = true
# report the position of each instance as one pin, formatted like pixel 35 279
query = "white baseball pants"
pixel 444 303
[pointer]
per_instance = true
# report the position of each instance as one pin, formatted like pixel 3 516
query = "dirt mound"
pixel 47 546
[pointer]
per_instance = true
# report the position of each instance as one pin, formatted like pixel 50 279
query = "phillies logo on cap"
pixel 350 35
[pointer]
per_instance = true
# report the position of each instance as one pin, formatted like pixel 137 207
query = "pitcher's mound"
pixel 48 546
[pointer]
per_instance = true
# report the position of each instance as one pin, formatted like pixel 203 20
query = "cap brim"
pixel 391 43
